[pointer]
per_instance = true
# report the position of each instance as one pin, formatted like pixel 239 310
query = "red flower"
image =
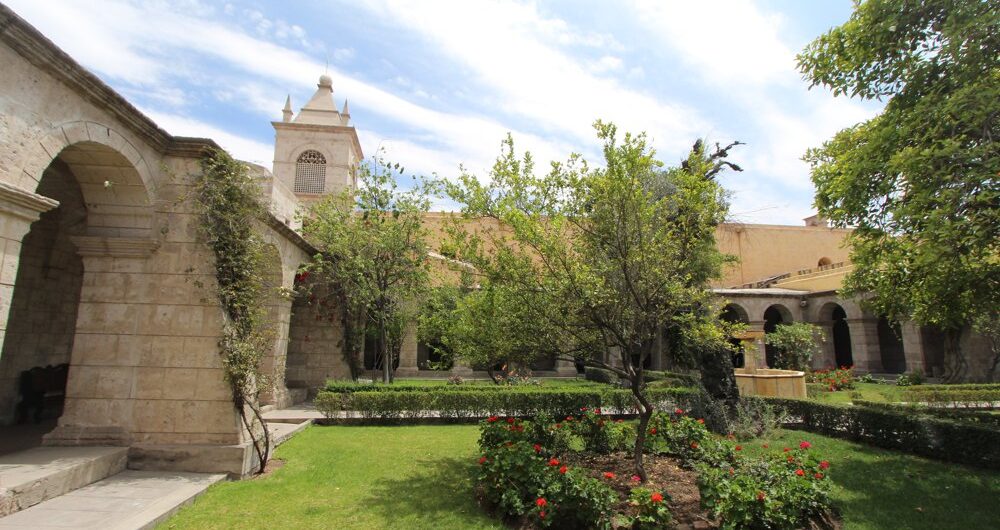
pixel 760 496
pixel 609 475
pixel 569 418
pixel 492 419
pixel 678 411
pixel 510 420
pixel 694 445
pixel 482 460
pixel 818 475
pixel 786 449
pixel 765 446
pixel 799 472
pixel 656 497
pixel 652 431
pixel 739 447
pixel 541 502
pixel 541 515
pixel 791 458
pixel 558 426
pixel 636 478
pixel 597 411
pixel 563 470
pixel 583 409
pixel 701 421
pixel 805 445
pixel 824 465
pixel 553 462
pixel 538 448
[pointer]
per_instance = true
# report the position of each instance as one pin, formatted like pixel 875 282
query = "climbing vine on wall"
pixel 229 208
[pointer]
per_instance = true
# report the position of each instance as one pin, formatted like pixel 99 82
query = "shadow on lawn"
pixel 442 490
pixel 886 489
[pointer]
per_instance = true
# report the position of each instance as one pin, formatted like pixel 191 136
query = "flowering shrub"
pixel 687 438
pixel 778 491
pixel 495 431
pixel 652 508
pixel 601 434
pixel 518 479
pixel 835 379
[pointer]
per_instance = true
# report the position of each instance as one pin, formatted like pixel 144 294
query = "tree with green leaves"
pixel 919 182
pixel 372 261
pixel 795 344
pixel 601 259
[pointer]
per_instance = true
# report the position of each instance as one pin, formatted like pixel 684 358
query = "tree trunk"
pixel 956 367
pixel 384 353
pixel 645 413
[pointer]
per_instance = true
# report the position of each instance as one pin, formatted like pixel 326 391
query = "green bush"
pixel 956 397
pixel 753 417
pixel 670 378
pixel 942 439
pixel 913 378
pixel 518 479
pixel 963 386
pixel 456 402
pixel 968 416
pixel 600 375
pixel 601 434
pixel 651 509
pixel 684 437
pixel 777 491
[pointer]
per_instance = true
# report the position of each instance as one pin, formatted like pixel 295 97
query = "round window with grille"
pixel 310 172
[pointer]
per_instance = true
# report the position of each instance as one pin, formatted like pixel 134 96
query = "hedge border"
pixel 936 438
pixel 455 404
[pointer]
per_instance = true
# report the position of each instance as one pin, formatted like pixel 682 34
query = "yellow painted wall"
pixel 764 250
pixel 769 250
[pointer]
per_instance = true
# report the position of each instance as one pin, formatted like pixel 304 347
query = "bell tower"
pixel 316 151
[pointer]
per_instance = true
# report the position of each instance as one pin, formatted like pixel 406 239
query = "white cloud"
pixel 507 46
pixel 240 147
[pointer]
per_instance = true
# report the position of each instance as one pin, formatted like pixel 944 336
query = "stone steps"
pixel 126 501
pixel 36 475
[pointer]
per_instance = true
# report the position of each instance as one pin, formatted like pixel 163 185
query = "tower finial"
pixel 286 113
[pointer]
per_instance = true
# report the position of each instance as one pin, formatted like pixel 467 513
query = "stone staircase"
pixel 89 487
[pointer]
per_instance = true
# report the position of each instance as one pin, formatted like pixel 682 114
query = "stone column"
pixel 913 347
pixel 565 368
pixel 408 353
pixel 827 358
pixel 864 345
pixel 109 345
pixel 757 328
pixel 18 209
pixel 274 363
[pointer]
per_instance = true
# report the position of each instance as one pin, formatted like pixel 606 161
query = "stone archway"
pixel 774 316
pixel 735 313
pixel 890 345
pixel 75 267
pixel 833 318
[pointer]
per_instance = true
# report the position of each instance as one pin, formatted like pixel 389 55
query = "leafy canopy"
pixel 919 181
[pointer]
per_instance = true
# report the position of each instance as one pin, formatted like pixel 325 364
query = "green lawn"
pixel 354 477
pixel 419 477
pixel 868 391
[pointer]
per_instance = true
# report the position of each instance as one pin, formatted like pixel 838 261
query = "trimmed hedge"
pixel 969 397
pixel 473 404
pixel 966 416
pixel 600 375
pixel 963 386
pixel 941 439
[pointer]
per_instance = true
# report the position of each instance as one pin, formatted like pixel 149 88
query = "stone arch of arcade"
pixel 774 316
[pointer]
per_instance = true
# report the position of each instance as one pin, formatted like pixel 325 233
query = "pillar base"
pixel 64 435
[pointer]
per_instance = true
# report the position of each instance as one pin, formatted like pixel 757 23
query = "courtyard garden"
pixel 424 477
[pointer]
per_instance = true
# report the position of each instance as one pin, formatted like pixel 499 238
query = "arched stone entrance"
pixel 774 316
pixel 735 313
pixel 890 345
pixel 73 277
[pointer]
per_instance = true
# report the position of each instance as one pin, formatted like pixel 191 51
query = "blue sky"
pixel 438 84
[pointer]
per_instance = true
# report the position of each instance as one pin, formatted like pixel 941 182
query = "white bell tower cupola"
pixel 316 151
